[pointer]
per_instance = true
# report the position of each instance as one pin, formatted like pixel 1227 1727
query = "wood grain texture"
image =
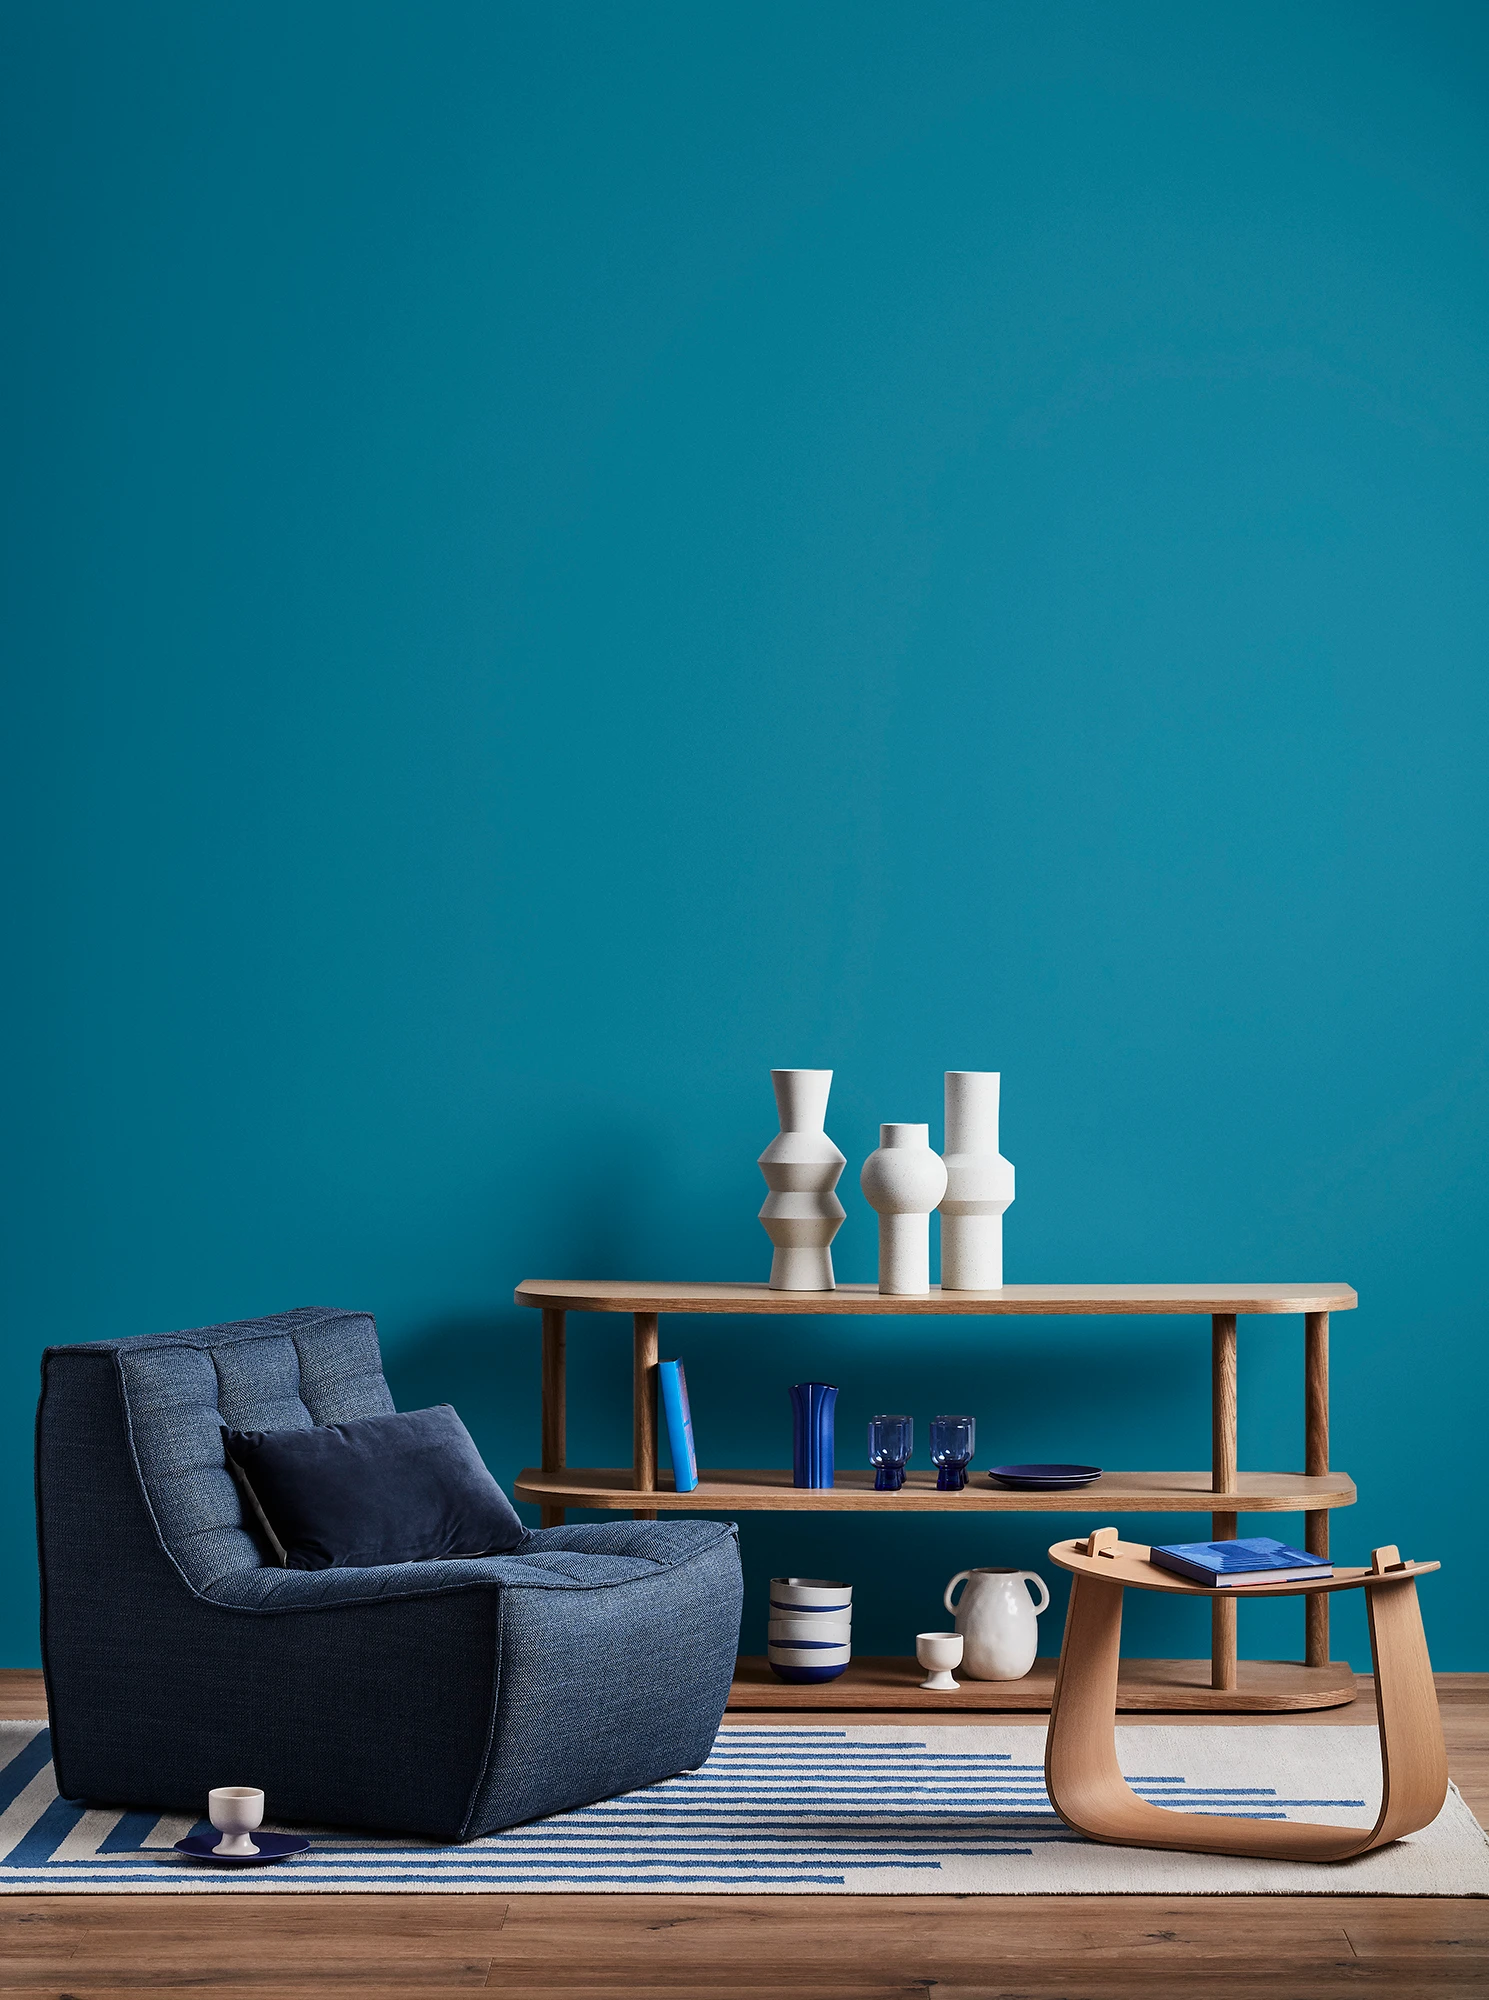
pixel 1223 1524
pixel 1085 1781
pixel 1223 1402
pixel 555 1399
pixel 1262 1687
pixel 1128 1563
pixel 592 1947
pixel 775 1947
pixel 1316 1393
pixel 769 1489
pixel 608 1295
pixel 1316 1460
pixel 644 1411
pixel 1224 1635
pixel 1413 1754
pixel 23 1695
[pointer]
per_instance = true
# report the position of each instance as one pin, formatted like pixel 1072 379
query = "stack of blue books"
pixel 1230 1565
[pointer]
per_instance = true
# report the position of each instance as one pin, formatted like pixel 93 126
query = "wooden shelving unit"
pixel 1224 1491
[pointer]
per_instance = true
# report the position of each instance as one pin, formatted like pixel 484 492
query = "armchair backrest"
pixel 171 1394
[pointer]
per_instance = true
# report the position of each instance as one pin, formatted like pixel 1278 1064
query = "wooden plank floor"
pixel 772 1947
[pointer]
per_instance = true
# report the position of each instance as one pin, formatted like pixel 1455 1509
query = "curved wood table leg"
pixel 1088 1791
pixel 1413 1756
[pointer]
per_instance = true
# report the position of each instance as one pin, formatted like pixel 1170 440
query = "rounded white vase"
pixel 801 1165
pixel 903 1181
pixel 979 1184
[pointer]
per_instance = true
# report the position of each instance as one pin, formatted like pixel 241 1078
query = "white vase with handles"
pixel 979 1184
pixel 801 1214
pixel 903 1181
pixel 998 1622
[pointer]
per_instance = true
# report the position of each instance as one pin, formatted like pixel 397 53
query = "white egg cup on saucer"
pixel 236 1811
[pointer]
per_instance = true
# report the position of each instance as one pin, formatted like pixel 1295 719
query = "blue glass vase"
pixel 812 1406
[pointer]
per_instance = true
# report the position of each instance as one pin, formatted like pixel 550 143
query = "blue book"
pixel 674 1388
pixel 1229 1565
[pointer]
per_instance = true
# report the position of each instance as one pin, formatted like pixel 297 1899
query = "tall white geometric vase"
pixel 979 1184
pixel 801 1214
pixel 904 1181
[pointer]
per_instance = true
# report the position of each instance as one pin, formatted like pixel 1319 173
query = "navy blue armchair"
pixel 446 1698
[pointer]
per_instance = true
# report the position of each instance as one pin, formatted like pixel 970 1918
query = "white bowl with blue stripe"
pixel 797 1594
pixel 811 1656
pixel 808 1663
pixel 815 1631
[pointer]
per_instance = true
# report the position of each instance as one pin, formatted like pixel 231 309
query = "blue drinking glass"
pixel 891 1441
pixel 953 1440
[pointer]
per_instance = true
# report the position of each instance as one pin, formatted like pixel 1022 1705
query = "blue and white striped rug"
pixel 945 1809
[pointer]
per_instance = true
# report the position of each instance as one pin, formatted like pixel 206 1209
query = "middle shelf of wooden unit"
pixel 770 1489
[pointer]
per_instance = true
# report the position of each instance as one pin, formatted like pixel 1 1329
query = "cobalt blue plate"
pixel 271 1847
pixel 1044 1478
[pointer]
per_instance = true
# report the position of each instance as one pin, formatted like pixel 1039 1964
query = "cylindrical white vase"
pixel 903 1181
pixel 979 1184
pixel 801 1214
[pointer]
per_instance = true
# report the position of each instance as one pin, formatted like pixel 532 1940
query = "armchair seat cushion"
pixel 580 1558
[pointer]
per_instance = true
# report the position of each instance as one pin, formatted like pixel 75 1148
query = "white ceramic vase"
pixel 801 1214
pixel 979 1184
pixel 998 1623
pixel 903 1181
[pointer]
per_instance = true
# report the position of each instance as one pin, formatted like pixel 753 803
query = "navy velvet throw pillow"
pixel 402 1488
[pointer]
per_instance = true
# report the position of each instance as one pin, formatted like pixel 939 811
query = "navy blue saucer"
pixel 271 1847
pixel 1044 1478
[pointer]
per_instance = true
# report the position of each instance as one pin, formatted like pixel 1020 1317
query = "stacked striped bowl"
pixel 811 1628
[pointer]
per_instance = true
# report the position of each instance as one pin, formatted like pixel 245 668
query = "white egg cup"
pixel 939 1652
pixel 236 1811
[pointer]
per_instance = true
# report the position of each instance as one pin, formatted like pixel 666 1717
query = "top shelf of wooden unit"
pixel 771 1490
pixel 609 1296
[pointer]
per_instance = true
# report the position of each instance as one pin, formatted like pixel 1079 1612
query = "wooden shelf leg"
pixel 644 1411
pixel 1316 1460
pixel 1223 1480
pixel 554 1407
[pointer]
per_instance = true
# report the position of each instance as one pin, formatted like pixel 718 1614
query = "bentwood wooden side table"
pixel 1081 1771
pixel 1223 1491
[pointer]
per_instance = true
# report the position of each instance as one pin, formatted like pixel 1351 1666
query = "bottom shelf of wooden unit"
pixel 1263 1687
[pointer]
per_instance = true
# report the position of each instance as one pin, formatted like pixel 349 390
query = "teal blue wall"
pixel 565 554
